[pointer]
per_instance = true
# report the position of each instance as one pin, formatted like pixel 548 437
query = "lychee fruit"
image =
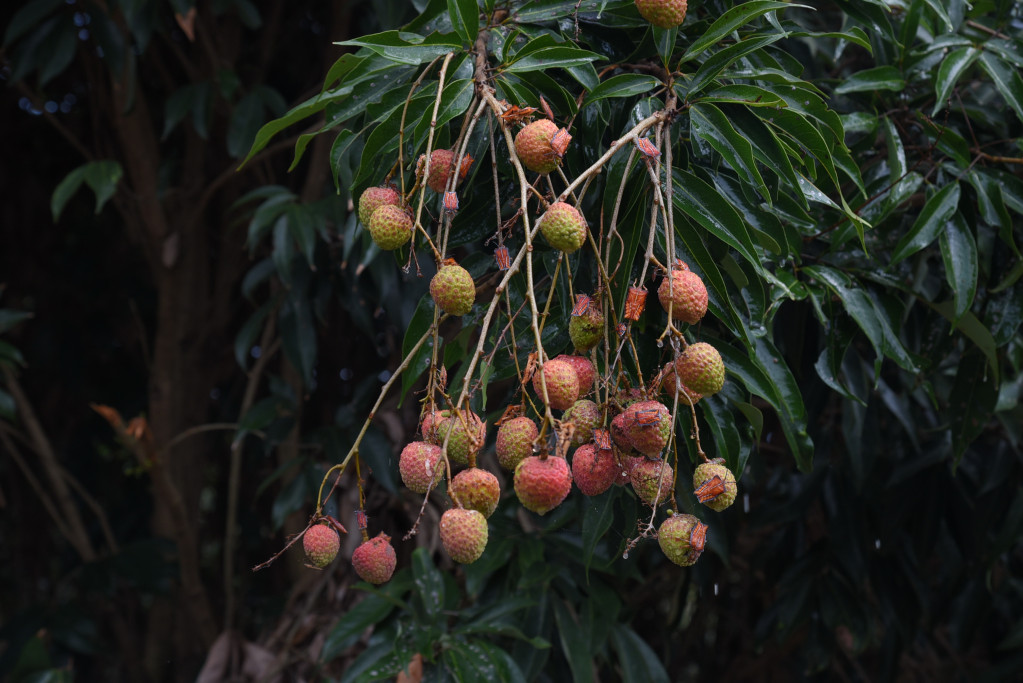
pixel 390 227
pixel 453 290
pixel 648 426
pixel 701 369
pixel 584 370
pixel 421 466
pixel 562 383
pixel 476 489
pixel 533 146
pixel 652 480
pixel 674 537
pixel 620 432
pixel 688 295
pixel 593 469
pixel 587 330
pixel 515 439
pixel 563 227
pixel 585 415
pixel 375 197
pixel 464 534
pixel 662 13
pixel 542 483
pixel 627 461
pixel 714 485
pixel 468 433
pixel 321 544
pixel 670 384
pixel 441 161
pixel 374 560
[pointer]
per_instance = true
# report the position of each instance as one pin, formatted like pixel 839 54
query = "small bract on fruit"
pixel 562 383
pixel 441 161
pixel 468 433
pixel 701 369
pixel 453 290
pixel 686 295
pixel 587 330
pixel 541 484
pixel 375 197
pixel 662 13
pixel 674 538
pixel 390 227
pixel 476 489
pixel 533 146
pixel 374 560
pixel 464 534
pixel 563 227
pixel 321 544
pixel 515 439
pixel 593 469
pixel 652 480
pixel 584 370
pixel 648 426
pixel 585 415
pixel 714 485
pixel 421 466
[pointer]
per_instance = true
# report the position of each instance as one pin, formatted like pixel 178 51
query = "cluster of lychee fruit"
pixel 374 560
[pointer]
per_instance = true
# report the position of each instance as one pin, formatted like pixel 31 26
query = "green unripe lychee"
pixel 585 415
pixel 476 489
pixel 721 493
pixel 662 13
pixel 533 146
pixel 701 369
pixel 673 537
pixel 421 466
pixel 587 330
pixel 468 433
pixel 593 469
pixel 375 197
pixel 670 384
pixel 688 295
pixel 374 560
pixel 563 227
pixel 541 484
pixel 390 227
pixel 464 534
pixel 515 439
pixel 453 290
pixel 321 544
pixel 652 480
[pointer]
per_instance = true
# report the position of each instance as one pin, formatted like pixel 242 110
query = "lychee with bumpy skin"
pixel 714 485
pixel 584 370
pixel 671 384
pixel 652 480
pixel 627 461
pixel 701 369
pixel 464 534
pixel 593 469
pixel 453 290
pixel 468 433
pixel 421 466
pixel 674 538
pixel 620 432
pixel 374 560
pixel 585 415
pixel 390 227
pixel 321 544
pixel 687 296
pixel 533 146
pixel 662 13
pixel 648 426
pixel 562 383
pixel 476 489
pixel 563 227
pixel 375 197
pixel 441 161
pixel 587 330
pixel 515 439
pixel 542 483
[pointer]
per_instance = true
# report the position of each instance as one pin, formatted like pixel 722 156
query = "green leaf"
pixel 872 80
pixel 406 48
pixel 959 251
pixel 101 176
pixel 664 39
pixel 1006 79
pixel 246 118
pixel 575 642
pixel 711 125
pixel 938 6
pixel 971 402
pixel 638 662
pixel 429 582
pixel 341 144
pixel 723 59
pixel 598 514
pixel 59 49
pixel 929 223
pixel 419 325
pixel 952 67
pixel 974 330
pixel 730 21
pixel 766 146
pixel 465 18
pixel 27 17
pixel 750 95
pixel 623 85
pixel 9 352
pixel 992 206
pixel 10 318
pixel 552 57
pixel 65 190
pixel 856 302
pixel 705 205
pixel 311 106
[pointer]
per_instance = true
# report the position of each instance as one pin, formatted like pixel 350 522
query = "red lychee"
pixel 375 197
pixel 701 369
pixel 562 383
pixel 374 560
pixel 648 425
pixel 652 480
pixel 421 466
pixel 321 544
pixel 688 295
pixel 542 483
pixel 464 534
pixel 594 470
pixel 584 370
pixel 476 489
pixel 533 146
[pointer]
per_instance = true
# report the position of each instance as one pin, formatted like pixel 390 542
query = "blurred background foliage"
pixel 188 342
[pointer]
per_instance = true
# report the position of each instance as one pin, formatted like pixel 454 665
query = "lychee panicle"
pixel 476 489
pixel 674 537
pixel 464 534
pixel 562 383
pixel 541 484
pixel 594 470
pixel 374 560
pixel 321 544
pixel 515 439
pixel 375 197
